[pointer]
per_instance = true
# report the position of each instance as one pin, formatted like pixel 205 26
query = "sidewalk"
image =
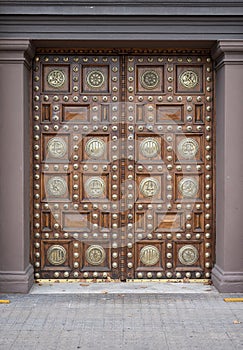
pixel 111 316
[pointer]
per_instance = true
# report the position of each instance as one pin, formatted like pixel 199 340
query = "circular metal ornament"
pixel 188 148
pixel 56 78
pixel 188 187
pixel 56 255
pixel 189 79
pixel 188 255
pixel 150 79
pixel 56 186
pixel 95 148
pixel 95 79
pixel 149 187
pixel 56 147
pixel 149 147
pixel 149 255
pixel 95 187
pixel 95 255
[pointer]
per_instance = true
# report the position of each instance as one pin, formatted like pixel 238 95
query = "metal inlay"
pixel 56 186
pixel 149 187
pixel 188 187
pixel 189 79
pixel 56 255
pixel 188 255
pixel 56 147
pixel 150 79
pixel 56 78
pixel 95 187
pixel 95 148
pixel 95 255
pixel 149 255
pixel 150 147
pixel 95 79
pixel 188 148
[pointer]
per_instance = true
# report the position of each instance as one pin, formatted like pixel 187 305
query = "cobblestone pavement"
pixel 120 321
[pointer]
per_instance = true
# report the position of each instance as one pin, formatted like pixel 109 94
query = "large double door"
pixel 123 163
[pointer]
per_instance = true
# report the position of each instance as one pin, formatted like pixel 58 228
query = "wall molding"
pixel 227 282
pixel 16 51
pixel 118 27
pixel 123 7
pixel 17 281
pixel 227 52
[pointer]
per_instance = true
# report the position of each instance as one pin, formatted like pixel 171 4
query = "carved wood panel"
pixel 123 160
pixel 170 134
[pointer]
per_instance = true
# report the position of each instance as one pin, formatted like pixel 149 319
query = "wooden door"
pixel 122 165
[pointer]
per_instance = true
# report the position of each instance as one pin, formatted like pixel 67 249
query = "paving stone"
pixel 114 321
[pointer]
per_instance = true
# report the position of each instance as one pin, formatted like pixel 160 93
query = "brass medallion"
pixel 56 255
pixel 56 78
pixel 95 255
pixel 149 187
pixel 189 79
pixel 149 147
pixel 188 148
pixel 95 148
pixel 95 187
pixel 188 187
pixel 95 79
pixel 56 186
pixel 149 255
pixel 56 147
pixel 150 79
pixel 188 255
